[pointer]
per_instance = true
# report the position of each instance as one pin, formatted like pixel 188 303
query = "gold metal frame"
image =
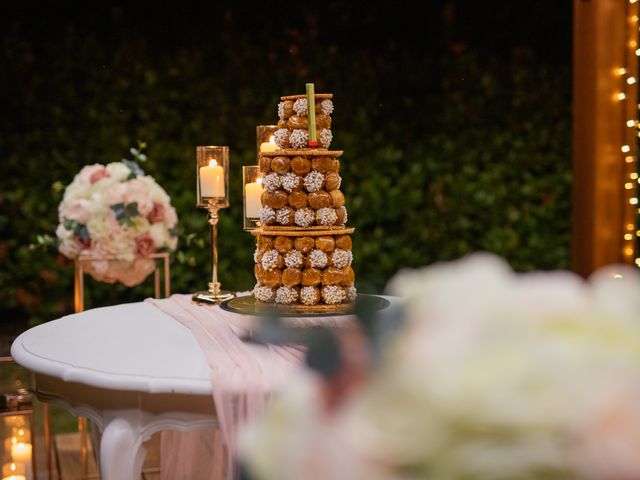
pixel 162 266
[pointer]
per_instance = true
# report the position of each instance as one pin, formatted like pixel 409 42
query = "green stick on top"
pixel 311 115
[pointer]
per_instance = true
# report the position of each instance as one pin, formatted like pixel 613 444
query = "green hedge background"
pixel 450 147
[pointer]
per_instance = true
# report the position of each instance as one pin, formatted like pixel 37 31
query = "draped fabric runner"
pixel 242 376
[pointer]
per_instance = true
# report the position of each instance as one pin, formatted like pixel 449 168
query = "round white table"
pixel 130 368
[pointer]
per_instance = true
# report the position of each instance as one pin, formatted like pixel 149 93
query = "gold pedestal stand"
pixel 214 295
pixel 79 297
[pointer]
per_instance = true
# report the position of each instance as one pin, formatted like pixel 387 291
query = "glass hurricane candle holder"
pixel 265 139
pixel 212 175
pixel 252 195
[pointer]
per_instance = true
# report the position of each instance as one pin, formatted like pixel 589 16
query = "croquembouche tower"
pixel 303 256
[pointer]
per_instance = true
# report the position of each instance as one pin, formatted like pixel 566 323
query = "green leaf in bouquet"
pixel 69 224
pixel 125 212
pixel 136 171
pixel 82 231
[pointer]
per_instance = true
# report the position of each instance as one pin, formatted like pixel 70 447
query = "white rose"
pixel 158 233
pixel 98 227
pixel 76 191
pixel 118 171
pixel 156 192
pixel 140 225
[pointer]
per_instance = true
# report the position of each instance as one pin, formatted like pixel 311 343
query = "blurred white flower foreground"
pixel 495 375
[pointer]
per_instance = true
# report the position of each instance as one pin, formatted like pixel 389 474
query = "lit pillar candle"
pixel 252 194
pixel 13 471
pixel 21 453
pixel 212 180
pixel 269 146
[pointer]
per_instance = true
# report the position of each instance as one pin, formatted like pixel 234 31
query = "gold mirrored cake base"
pixel 248 305
pixel 212 298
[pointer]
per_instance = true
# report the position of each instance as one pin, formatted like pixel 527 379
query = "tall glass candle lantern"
pixel 212 186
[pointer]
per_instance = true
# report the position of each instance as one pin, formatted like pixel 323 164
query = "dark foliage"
pixel 448 149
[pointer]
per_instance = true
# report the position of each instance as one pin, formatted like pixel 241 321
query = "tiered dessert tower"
pixel 303 256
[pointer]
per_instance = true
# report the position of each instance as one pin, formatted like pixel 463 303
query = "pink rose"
pixel 157 214
pixel 77 210
pixel 145 245
pixel 98 175
pixel 115 194
pixel 87 172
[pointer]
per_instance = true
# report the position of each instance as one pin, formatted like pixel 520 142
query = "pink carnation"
pixel 77 210
pixel 98 175
pixel 86 174
pixel 138 192
pixel 157 214
pixel 145 245
pixel 116 193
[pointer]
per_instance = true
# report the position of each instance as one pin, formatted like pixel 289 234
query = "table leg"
pixel 122 450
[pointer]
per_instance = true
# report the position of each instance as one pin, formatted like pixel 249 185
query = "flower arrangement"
pixel 489 375
pixel 119 216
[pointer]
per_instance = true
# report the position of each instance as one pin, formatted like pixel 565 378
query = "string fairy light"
pixel 627 94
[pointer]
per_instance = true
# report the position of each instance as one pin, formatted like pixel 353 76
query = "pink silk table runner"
pixel 242 377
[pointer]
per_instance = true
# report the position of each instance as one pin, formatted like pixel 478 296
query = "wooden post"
pixel 605 43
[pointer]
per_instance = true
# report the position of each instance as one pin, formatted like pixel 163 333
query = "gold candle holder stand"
pixel 212 189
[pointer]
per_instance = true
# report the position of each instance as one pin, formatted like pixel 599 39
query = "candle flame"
pixel 213 163
pixel 21 432
pixel 12 467
pixel 272 139
pixel 14 440
pixel 259 181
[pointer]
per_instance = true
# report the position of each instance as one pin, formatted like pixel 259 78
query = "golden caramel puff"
pixel 257 271
pixel 298 199
pixel 277 199
pixel 264 196
pixel 348 277
pixel 323 121
pixel 282 123
pixel 321 164
pixel 283 244
pixel 334 166
pixel 311 277
pixel 332 181
pixel 319 199
pixel 325 243
pixel 288 108
pixel 265 164
pixel 332 276
pixel 298 122
pixel 280 164
pixel 343 242
pixel 341 212
pixel 291 277
pixel 300 165
pixel 305 244
pixel 337 198
pixel 270 278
